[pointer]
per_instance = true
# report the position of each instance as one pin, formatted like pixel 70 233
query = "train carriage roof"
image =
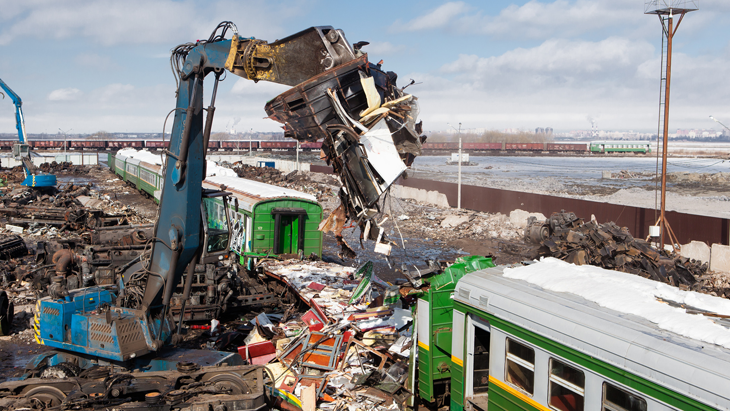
pixel 133 161
pixel 250 192
pixel 649 338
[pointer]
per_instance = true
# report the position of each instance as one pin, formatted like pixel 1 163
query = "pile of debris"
pixel 569 238
pixel 631 174
pixel 267 175
pixel 352 344
pixel 70 208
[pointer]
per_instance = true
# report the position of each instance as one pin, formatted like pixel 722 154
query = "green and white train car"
pixel 555 337
pixel 620 147
pixel 145 176
pixel 266 219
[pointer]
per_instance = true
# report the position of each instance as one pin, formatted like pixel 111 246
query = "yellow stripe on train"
pixel 514 392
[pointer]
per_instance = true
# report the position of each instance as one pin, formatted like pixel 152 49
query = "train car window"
pixel 616 399
pixel 567 387
pixel 147 176
pixel 520 370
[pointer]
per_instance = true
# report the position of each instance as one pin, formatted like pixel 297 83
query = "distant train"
pixel 597 147
pixel 592 147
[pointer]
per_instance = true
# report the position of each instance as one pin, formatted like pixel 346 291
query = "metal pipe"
pixel 209 123
pixel 187 288
pixel 182 160
pixel 458 207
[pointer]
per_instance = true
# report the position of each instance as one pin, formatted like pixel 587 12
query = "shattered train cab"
pixel 367 126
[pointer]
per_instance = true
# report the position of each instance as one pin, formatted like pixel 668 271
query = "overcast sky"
pixel 104 65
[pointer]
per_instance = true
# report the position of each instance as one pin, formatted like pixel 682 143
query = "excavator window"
pixel 216 225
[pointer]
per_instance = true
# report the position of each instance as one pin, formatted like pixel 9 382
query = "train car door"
pixel 289 229
pixel 478 337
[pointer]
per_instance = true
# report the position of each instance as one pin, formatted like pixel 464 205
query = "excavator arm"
pixel 21 150
pixel 355 112
pixel 288 61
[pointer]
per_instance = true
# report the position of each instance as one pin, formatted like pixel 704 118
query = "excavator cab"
pixel 216 225
pixel 21 151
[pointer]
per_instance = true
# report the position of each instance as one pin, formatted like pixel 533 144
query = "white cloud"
pixel 95 61
pixel 384 48
pixel 65 94
pixel 554 62
pixel 262 89
pixel 117 93
pixel 440 17
pixel 534 20
pixel 110 22
pixel 558 83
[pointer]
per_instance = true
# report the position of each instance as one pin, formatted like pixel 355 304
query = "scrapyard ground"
pixel 422 233
pixel 427 232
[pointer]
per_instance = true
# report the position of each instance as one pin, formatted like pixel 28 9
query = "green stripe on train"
pixel 639 384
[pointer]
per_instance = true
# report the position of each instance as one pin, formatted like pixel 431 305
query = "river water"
pixel 571 170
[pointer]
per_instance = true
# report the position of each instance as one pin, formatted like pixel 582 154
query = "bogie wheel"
pixel 7 311
pixel 232 382
pixel 45 396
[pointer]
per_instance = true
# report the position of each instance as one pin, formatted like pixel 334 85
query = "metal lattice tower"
pixel 666 10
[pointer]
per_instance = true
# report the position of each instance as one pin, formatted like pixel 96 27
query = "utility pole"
pixel 65 138
pixel 297 155
pixel 458 184
pixel 666 10
pixel 458 206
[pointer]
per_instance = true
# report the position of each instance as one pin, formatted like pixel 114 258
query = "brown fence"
pixel 687 227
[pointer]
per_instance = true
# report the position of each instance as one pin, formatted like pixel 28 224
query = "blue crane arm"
pixel 178 226
pixel 289 61
pixel 19 120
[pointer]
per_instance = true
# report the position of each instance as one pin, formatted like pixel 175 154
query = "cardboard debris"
pixel 349 347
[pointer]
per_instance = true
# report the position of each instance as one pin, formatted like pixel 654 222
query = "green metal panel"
pixel 119 167
pixel 131 176
pixel 609 371
pixel 501 399
pixel 146 187
pixel 435 363
pixel 457 387
pixel 263 224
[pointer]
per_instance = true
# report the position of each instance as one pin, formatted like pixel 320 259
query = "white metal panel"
pixel 457 337
pixel 258 189
pixel 382 154
pixel 423 323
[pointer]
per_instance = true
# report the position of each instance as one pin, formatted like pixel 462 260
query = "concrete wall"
pixel 285 166
pixel 424 196
pixel 78 159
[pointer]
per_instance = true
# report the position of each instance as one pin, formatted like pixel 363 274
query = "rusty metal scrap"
pixel 569 238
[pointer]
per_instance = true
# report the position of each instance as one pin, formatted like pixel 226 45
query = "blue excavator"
pixel 119 346
pixel 21 149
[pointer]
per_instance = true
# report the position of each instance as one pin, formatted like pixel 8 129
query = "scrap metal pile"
pixel 569 238
pixel 352 347
pixel 71 208
pixel 369 132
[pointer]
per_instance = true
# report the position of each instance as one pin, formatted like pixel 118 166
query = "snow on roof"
pixel 143 155
pixel 631 294
pixel 257 189
pixel 213 169
pixel 222 175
